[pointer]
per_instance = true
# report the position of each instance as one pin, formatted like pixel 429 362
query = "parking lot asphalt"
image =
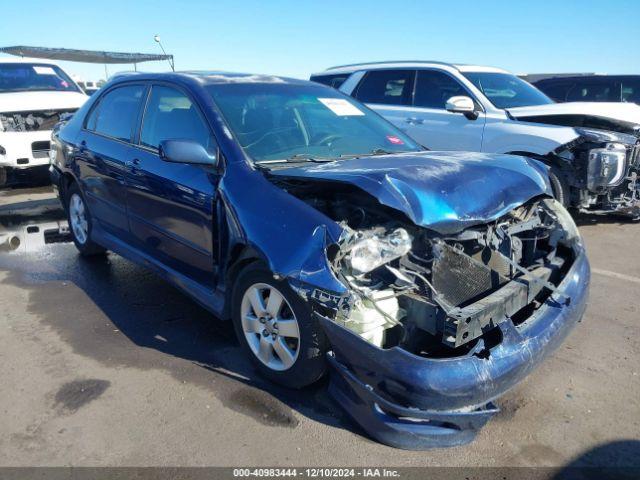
pixel 103 363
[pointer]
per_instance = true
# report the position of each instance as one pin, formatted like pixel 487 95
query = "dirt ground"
pixel 103 363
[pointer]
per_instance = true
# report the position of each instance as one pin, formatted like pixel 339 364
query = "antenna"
pixel 156 39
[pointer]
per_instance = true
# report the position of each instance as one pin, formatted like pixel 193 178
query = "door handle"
pixel 414 120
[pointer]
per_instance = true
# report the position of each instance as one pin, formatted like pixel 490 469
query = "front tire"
pixel 559 186
pixel 277 330
pixel 80 223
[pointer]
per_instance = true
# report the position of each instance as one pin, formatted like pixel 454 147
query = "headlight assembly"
pixel 607 165
pixel 372 252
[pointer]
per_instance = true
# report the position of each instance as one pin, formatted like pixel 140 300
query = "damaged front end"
pixel 603 168
pixel 434 326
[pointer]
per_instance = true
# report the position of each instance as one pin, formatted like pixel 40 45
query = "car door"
pixel 171 206
pixel 388 92
pixel 101 150
pixel 432 125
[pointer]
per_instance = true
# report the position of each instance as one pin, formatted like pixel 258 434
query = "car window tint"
pixel 556 91
pixel 433 89
pixel 631 91
pixel 171 115
pixel 591 92
pixel 391 87
pixel 116 114
pixel 334 81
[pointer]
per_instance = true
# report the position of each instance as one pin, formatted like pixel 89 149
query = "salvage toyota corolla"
pixel 430 282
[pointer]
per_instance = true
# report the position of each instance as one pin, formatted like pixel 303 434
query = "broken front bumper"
pixel 412 402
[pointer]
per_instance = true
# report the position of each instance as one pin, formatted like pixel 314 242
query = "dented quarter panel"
pixel 443 191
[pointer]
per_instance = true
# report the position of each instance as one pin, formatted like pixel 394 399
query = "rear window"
pixel 390 87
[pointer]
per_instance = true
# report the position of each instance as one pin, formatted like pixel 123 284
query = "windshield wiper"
pixel 308 157
pixel 297 158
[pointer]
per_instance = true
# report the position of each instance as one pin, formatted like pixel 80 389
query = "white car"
pixel 33 96
pixel 592 149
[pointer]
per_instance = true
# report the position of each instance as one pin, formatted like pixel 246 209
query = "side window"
pixel 171 115
pixel 631 91
pixel 557 91
pixel 334 81
pixel 591 92
pixel 390 87
pixel 433 89
pixel 117 112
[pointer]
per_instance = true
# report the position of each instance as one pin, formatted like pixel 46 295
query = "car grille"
pixel 31 121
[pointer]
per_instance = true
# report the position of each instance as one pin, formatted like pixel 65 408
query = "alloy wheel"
pixel 270 326
pixel 78 219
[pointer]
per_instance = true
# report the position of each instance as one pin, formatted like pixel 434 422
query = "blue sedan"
pixel 429 283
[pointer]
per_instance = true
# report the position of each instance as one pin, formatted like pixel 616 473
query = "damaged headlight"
pixel 374 251
pixel 606 165
pixel 565 220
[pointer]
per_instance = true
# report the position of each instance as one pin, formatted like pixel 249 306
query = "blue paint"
pixel 190 223
pixel 443 191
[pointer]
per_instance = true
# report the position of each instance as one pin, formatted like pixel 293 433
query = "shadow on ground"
pixel 619 460
pixel 101 305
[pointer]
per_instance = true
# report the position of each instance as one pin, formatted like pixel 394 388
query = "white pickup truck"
pixel 592 149
pixel 33 96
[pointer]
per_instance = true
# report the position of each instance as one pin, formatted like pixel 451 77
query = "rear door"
pixel 171 206
pixel 432 125
pixel 102 148
pixel 388 92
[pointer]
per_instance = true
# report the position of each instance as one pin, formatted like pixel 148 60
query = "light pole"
pixel 156 38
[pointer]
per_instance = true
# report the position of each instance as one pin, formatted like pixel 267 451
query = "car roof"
pixel 210 77
pixel 409 64
pixel 598 76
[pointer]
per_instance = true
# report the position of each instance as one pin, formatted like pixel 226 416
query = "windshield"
pixel 21 77
pixel 507 91
pixel 284 121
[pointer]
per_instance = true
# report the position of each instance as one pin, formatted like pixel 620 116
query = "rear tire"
pixel 80 223
pixel 559 186
pixel 277 330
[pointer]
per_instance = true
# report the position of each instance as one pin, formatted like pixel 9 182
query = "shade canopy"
pixel 86 56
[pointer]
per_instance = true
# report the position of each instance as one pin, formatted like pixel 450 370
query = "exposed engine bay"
pixel 30 121
pixel 602 169
pixel 437 295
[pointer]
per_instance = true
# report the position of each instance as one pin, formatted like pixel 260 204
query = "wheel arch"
pixel 240 257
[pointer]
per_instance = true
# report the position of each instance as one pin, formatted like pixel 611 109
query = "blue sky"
pixel 296 38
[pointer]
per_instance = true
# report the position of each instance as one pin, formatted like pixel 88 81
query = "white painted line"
pixel 620 276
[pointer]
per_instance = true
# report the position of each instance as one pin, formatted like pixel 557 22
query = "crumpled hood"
pixel 624 112
pixel 33 101
pixel 443 191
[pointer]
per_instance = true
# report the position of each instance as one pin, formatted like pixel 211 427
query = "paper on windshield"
pixel 341 107
pixel 44 70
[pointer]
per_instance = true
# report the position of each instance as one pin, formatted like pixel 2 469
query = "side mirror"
pixel 185 151
pixel 462 104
